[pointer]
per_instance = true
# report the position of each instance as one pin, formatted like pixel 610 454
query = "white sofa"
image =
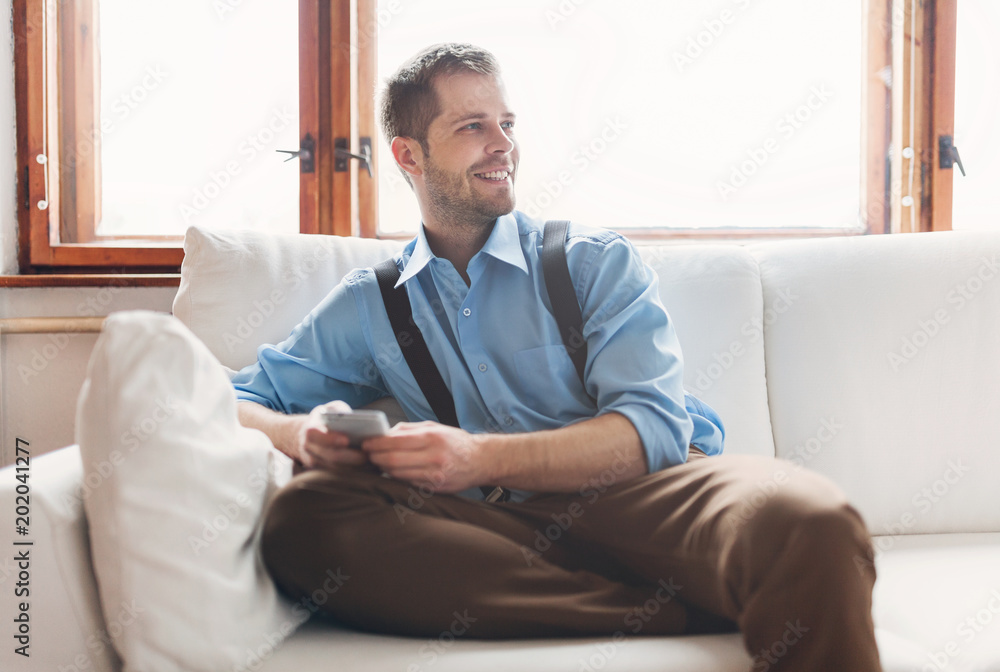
pixel 874 360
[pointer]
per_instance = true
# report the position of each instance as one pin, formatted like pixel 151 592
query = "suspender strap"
pixel 411 342
pixel 562 296
pixel 418 356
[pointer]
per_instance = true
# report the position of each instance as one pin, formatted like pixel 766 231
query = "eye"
pixel 509 125
pixel 475 126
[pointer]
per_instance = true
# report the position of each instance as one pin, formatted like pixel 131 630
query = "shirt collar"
pixel 419 257
pixel 504 244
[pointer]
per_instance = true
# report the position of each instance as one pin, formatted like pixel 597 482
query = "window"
pixel 977 107
pixel 136 120
pixel 653 118
pixel 664 115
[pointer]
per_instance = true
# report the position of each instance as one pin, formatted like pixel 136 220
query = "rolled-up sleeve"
pixel 634 362
pixel 325 358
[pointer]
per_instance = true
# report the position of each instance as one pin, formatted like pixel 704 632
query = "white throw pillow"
pixel 174 523
pixel 241 289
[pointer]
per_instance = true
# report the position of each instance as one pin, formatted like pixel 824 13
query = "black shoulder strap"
pixel 411 342
pixel 418 356
pixel 562 296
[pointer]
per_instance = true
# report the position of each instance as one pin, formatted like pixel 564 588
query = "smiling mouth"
pixel 494 175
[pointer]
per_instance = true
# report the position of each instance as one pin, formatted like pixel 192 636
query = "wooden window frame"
pixel 923 110
pixel 336 91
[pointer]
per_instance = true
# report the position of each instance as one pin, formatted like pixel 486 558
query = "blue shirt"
pixel 497 344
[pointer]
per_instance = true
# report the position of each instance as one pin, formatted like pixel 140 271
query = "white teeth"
pixel 495 175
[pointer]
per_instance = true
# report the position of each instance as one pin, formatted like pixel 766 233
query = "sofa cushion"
pixel 713 295
pixel 310 649
pixel 882 372
pixel 942 591
pixel 241 289
pixel 174 513
pixel 67 629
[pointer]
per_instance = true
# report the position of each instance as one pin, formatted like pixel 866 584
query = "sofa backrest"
pixel 242 289
pixel 713 296
pixel 873 360
pixel 883 372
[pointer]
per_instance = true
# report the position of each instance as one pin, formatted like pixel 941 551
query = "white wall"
pixel 41 375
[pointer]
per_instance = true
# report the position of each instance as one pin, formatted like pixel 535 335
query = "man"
pixel 623 518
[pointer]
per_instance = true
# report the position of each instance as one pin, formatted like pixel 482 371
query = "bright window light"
pixel 731 113
pixel 195 99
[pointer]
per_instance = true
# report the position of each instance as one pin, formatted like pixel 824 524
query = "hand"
pixel 442 458
pixel 318 447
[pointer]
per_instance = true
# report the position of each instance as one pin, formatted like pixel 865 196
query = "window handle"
pixel 305 154
pixel 948 153
pixel 342 155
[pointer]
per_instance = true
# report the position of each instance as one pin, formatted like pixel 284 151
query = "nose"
pixel 499 142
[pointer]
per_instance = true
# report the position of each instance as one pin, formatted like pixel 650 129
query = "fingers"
pixel 394 442
pixel 336 406
pixel 326 449
pixel 331 457
pixel 322 448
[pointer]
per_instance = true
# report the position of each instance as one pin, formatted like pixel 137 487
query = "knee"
pixel 818 520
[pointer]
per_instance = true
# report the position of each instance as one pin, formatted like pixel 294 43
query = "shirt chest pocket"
pixel 548 380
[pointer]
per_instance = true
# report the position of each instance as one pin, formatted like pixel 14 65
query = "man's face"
pixel 469 171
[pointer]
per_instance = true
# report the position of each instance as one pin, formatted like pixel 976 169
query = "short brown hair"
pixel 409 103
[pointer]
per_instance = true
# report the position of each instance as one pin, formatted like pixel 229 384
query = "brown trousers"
pixel 706 546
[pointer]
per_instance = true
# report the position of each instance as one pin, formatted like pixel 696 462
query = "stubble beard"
pixel 457 210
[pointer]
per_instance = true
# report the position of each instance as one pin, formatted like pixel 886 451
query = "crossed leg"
pixel 687 549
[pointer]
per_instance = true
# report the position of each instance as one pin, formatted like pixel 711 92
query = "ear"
pixel 409 155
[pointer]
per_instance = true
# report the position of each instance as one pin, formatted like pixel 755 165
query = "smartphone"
pixel 357 425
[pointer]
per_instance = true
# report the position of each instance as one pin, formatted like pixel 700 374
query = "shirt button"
pixel 509 420
pixel 483 367
pixel 467 312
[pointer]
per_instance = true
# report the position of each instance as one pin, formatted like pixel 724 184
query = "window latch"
pixel 948 153
pixel 341 155
pixel 306 154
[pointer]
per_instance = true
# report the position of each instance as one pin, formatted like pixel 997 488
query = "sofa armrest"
pixel 66 629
